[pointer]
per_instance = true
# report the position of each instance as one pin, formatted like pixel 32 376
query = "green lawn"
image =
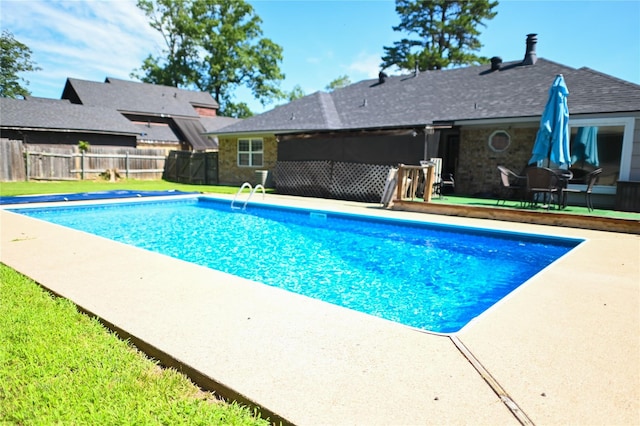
pixel 58 366
pixel 62 187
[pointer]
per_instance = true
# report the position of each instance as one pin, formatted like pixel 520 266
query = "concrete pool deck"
pixel 564 348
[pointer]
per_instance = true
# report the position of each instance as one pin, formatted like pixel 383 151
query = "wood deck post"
pixel 428 184
pixel 400 182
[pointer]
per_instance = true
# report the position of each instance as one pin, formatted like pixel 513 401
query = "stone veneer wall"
pixel 477 171
pixel 230 174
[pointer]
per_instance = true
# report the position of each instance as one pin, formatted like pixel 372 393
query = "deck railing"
pixel 415 182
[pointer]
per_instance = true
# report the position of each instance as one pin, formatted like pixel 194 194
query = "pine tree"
pixel 443 33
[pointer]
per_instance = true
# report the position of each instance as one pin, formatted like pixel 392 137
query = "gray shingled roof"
pixel 214 123
pixel 470 93
pixel 194 132
pixel 62 115
pixel 136 97
pixel 153 132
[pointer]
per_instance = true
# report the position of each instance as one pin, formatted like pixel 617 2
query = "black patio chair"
pixel 513 186
pixel 447 184
pixel 591 179
pixel 542 186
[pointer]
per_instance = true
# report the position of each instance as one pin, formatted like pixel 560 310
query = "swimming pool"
pixel 432 277
pixel 85 196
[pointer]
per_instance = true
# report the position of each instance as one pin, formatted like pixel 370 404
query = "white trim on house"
pixel 627 140
pixel 498 121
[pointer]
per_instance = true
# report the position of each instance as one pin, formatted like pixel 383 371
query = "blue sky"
pixel 322 39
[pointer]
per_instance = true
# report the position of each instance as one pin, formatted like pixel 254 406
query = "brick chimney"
pixel 530 57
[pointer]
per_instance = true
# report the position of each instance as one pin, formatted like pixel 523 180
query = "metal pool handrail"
pixel 253 190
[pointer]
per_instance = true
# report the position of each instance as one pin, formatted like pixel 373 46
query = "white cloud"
pixel 366 65
pixel 82 39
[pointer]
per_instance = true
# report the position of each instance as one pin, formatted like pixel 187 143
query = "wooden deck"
pixel 597 223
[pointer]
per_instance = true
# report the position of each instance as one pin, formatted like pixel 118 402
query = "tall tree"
pixel 444 33
pixel 295 93
pixel 15 58
pixel 337 83
pixel 215 46
pixel 176 67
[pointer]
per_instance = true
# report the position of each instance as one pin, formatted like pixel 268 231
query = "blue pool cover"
pixel 85 196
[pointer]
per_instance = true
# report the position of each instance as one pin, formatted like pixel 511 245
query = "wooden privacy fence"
pixel 329 179
pixel 11 161
pixel 49 165
pixel 137 163
pixel 46 162
pixel 200 168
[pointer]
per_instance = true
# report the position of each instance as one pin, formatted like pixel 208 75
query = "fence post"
pixel 27 164
pixel 126 164
pixel 82 165
pixel 206 168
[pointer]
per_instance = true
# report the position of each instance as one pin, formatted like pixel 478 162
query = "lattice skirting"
pixel 328 179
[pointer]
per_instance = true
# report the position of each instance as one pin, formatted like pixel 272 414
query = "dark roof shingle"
pixel 62 115
pixel 135 97
pixel 470 93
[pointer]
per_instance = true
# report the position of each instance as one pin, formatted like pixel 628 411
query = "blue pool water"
pixel 427 276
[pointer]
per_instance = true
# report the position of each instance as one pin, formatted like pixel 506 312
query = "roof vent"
pixel 382 77
pixel 496 63
pixel 530 57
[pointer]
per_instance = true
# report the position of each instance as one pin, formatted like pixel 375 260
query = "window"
pixel 250 152
pixel 499 141
pixel 604 143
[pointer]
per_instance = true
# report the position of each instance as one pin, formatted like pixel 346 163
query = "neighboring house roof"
pixel 136 97
pixel 214 123
pixel 211 124
pixel 154 132
pixel 193 131
pixel 61 115
pixel 139 100
pixel 39 99
pixel 432 97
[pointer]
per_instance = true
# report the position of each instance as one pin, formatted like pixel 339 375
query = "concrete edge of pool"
pixel 564 347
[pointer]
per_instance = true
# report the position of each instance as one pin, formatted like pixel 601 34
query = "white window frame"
pixel 251 152
pixel 627 145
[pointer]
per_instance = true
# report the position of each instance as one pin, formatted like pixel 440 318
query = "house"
pixel 117 113
pixel 43 121
pixel 474 118
pixel 144 119
pixel 165 116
